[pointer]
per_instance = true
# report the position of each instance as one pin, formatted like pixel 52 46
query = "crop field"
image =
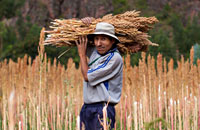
pixel 38 95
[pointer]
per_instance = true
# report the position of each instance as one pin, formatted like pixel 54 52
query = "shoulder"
pixel 114 58
pixel 117 57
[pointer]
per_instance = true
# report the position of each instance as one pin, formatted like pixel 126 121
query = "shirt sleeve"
pixel 106 70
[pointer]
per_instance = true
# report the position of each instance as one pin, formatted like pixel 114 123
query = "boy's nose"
pixel 98 43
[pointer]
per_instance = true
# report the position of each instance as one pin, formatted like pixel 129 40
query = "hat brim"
pixel 104 33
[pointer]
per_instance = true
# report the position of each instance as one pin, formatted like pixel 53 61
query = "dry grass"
pixel 42 96
pixel 130 28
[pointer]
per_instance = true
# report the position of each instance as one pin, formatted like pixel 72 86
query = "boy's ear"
pixel 113 40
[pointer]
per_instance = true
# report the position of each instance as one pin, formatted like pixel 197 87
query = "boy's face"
pixel 103 43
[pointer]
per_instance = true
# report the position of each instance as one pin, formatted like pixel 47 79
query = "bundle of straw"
pixel 129 28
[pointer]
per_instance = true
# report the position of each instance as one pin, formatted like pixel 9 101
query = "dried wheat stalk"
pixel 129 27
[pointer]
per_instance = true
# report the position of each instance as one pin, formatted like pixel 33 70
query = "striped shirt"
pixel 104 77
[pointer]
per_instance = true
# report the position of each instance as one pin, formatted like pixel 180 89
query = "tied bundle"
pixel 130 28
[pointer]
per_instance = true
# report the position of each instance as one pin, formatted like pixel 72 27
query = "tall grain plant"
pixel 38 95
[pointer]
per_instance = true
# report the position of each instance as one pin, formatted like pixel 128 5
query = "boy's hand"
pixel 82 45
pixel 87 20
pixel 135 48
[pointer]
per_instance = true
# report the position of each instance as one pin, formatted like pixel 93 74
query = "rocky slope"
pixel 43 11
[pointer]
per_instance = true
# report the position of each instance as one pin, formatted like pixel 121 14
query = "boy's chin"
pixel 102 52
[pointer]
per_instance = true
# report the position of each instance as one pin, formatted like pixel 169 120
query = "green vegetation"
pixel 120 6
pixel 21 40
pixel 151 125
pixel 141 4
pixel 9 8
pixel 196 53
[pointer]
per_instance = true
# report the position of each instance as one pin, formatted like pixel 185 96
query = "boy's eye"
pixel 103 38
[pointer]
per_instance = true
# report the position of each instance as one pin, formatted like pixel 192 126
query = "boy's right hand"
pixel 87 20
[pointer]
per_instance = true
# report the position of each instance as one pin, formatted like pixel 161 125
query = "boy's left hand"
pixel 82 45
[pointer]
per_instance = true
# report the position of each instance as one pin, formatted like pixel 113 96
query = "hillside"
pixel 43 11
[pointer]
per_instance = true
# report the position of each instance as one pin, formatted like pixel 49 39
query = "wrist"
pixel 82 55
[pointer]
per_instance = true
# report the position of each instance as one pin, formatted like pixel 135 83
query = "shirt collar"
pixel 110 51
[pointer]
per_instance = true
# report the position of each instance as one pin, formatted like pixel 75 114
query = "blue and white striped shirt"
pixel 104 77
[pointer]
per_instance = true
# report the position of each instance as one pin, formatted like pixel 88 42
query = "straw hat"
pixel 106 29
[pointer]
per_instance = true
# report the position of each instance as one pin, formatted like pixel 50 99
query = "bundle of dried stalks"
pixel 129 27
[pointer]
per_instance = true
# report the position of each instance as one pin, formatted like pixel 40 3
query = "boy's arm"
pixel 87 21
pixel 82 49
pixel 82 46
